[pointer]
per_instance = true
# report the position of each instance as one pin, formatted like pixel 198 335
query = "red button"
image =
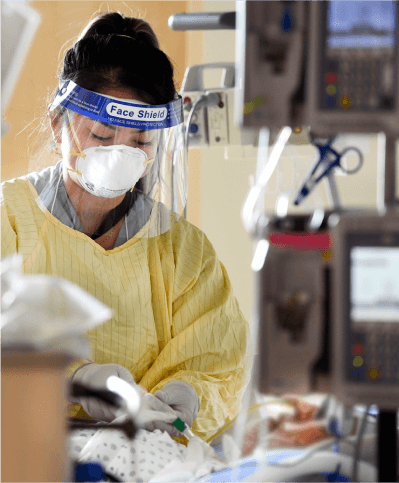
pixel 331 78
pixel 357 350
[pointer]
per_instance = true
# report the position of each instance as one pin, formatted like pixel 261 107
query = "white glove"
pixel 95 376
pixel 182 398
pixel 154 414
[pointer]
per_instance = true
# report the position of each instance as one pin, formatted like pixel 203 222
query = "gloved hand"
pixel 154 414
pixel 182 398
pixel 95 376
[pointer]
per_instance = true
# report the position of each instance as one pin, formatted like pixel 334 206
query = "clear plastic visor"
pixel 109 160
pixel 131 173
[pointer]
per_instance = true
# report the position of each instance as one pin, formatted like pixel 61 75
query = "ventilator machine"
pixel 326 299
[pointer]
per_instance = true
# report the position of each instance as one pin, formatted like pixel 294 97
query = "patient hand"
pixel 297 430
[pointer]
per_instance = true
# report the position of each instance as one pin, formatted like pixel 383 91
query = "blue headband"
pixel 118 112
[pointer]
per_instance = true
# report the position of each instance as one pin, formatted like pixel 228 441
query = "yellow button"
pixel 373 373
pixel 331 90
pixel 345 102
pixel 358 361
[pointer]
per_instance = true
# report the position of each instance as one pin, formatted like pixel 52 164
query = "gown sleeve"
pixel 8 234
pixel 210 346
pixel 9 246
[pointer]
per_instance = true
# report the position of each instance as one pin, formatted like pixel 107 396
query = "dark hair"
pixel 115 51
pixel 120 52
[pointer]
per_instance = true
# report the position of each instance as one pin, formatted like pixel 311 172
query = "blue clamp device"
pixel 330 159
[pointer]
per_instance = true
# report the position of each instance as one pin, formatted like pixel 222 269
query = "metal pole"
pixel 332 192
pixel 386 175
pixel 203 21
pixel 390 170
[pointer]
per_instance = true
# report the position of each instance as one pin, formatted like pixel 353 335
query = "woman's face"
pixel 83 132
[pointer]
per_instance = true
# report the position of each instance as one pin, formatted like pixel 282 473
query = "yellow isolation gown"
pixel 175 316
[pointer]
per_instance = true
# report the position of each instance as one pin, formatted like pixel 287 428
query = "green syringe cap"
pixel 179 424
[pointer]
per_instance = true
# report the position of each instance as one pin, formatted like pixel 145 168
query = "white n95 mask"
pixel 110 171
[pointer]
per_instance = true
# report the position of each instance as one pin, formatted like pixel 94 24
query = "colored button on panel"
pixel 357 349
pixel 374 374
pixel 358 374
pixel 331 78
pixel 331 90
pixel 358 361
pixel 330 101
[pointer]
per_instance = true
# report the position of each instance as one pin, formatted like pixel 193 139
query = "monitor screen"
pixel 374 284
pixel 353 24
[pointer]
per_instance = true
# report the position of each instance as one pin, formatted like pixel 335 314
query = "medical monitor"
pixel 374 285
pixel 365 321
pixel 358 72
pixel 329 65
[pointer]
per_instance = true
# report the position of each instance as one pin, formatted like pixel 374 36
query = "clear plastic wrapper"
pixel 40 312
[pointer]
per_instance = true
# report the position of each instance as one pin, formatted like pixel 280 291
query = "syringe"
pixel 183 428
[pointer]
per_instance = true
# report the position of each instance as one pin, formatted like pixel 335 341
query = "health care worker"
pixel 108 218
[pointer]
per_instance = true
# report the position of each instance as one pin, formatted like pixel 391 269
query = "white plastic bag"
pixel 46 313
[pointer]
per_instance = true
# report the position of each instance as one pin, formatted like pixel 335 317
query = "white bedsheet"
pixel 151 456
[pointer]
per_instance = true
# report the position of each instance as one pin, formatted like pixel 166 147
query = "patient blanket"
pixel 150 454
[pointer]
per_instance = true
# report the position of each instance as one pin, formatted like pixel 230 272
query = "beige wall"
pixel 61 23
pixel 218 186
pixel 195 55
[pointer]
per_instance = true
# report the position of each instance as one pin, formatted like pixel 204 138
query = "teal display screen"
pixel 361 24
pixel 359 57
pixel 374 284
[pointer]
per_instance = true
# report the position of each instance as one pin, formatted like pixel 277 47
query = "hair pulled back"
pixel 115 51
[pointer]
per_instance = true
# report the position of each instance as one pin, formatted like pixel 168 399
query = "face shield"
pixel 121 153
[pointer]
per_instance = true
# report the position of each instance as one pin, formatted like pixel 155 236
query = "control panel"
pixel 358 57
pixel 373 328
pixel 332 66
pixel 365 318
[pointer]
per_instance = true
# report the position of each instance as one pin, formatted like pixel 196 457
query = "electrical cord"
pixel 111 478
pixel 78 390
pixel 204 100
pixel 190 115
